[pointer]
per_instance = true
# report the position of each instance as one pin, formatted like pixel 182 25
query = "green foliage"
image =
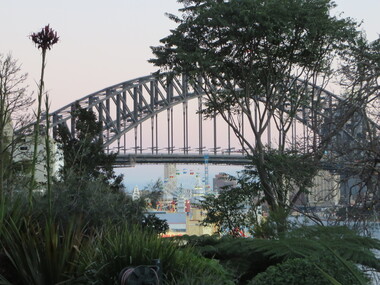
pixel 37 250
pixel 93 202
pixel 240 207
pixel 313 240
pixel 155 224
pixel 295 170
pixel 307 272
pixel 276 222
pixel 289 174
pixel 327 247
pixel 228 210
pixel 246 56
pixel 118 247
pixel 41 255
pixel 240 36
pixel 238 255
pixel 153 193
pixel 84 157
pixel 257 45
pixel 204 279
pixel 361 68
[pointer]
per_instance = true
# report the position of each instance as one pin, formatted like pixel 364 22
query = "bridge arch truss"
pixel 124 108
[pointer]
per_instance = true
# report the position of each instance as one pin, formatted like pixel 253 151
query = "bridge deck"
pixel 123 160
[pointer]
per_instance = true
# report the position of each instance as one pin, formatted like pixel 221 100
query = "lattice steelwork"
pixel 124 107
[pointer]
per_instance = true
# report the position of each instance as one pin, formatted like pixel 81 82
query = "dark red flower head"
pixel 45 39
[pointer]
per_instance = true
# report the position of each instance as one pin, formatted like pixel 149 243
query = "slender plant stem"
pixel 37 128
pixel 48 154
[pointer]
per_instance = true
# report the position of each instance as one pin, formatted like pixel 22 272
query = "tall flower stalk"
pixel 48 153
pixel 44 40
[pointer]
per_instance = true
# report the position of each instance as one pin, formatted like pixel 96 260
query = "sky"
pixel 103 43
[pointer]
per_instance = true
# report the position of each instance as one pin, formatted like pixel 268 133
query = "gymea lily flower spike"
pixel 45 39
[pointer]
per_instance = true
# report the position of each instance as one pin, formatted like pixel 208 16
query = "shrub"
pixel 237 255
pixel 94 202
pixel 116 247
pixel 311 271
pixel 38 255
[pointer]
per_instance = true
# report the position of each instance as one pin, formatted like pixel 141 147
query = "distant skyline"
pixel 107 42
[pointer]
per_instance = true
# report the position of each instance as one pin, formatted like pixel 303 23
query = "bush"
pixel 94 202
pixel 237 255
pixel 308 272
pixel 116 247
pixel 35 255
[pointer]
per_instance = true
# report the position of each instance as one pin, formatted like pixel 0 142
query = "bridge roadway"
pixel 130 160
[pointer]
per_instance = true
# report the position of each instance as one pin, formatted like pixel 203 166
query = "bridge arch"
pixel 125 106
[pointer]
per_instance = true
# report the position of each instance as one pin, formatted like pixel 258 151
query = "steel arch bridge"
pixel 125 107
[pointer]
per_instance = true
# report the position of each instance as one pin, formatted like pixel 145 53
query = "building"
pixel 194 224
pixel 170 182
pixel 136 193
pixel 24 153
pixel 185 223
pixel 176 222
pixel 223 180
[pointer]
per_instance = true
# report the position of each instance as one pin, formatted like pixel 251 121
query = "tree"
pixel 231 211
pixel 155 224
pixel 84 157
pixel 361 74
pixel 260 61
pixel 14 103
pixel 153 193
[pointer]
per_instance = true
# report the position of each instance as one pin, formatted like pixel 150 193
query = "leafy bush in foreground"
pixel 246 258
pixel 308 272
pixel 118 247
pixel 35 255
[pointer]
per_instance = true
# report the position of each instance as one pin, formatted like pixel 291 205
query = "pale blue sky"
pixel 102 42
pixel 362 10
pixel 107 42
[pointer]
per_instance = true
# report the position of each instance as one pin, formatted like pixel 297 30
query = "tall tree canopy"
pixel 261 60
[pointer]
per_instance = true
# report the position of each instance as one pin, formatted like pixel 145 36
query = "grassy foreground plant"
pixel 41 255
pixel 118 247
